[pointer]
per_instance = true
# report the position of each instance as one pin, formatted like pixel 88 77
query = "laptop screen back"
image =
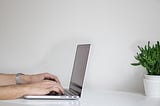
pixel 79 68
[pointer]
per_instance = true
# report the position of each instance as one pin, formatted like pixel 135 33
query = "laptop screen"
pixel 79 68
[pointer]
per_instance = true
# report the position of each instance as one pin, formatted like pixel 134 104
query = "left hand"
pixel 39 77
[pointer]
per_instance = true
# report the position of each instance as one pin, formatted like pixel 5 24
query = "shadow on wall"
pixel 59 59
pixel 136 81
pixel 137 71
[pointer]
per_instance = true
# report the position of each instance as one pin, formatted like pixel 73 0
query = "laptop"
pixel 77 77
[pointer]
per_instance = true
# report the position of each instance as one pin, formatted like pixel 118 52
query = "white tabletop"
pixel 92 98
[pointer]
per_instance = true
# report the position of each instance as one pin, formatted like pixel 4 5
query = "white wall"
pixel 41 35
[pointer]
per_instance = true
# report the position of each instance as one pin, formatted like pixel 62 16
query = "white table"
pixel 92 98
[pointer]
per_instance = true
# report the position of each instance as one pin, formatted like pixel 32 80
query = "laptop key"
pixel 54 93
pixel 68 93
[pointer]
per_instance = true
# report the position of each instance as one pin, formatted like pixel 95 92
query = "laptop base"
pixel 46 97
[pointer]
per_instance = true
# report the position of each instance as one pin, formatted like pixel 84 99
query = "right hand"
pixel 43 87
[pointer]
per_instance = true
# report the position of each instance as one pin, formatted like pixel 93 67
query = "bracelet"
pixel 18 80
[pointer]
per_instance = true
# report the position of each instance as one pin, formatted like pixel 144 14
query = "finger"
pixel 55 90
pixel 49 84
pixel 50 77
pixel 54 77
pixel 60 88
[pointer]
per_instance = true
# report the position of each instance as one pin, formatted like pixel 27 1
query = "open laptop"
pixel 77 78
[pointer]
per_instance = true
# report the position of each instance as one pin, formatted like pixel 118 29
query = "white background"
pixel 41 36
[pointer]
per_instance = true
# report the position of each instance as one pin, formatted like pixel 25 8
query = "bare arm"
pixel 11 92
pixel 7 79
pixel 39 88
pixel 10 79
pixel 31 85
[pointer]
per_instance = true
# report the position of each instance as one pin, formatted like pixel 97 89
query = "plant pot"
pixel 152 85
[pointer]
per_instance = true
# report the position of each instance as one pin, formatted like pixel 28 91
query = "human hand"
pixel 39 77
pixel 42 88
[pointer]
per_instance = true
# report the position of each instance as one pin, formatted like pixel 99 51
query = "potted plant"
pixel 149 58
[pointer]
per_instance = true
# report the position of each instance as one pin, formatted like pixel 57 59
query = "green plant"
pixel 149 58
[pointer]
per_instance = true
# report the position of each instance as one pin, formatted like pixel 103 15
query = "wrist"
pixel 26 89
pixel 18 78
pixel 22 79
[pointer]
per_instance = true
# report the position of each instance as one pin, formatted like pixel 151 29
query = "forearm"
pixel 10 79
pixel 12 92
pixel 7 79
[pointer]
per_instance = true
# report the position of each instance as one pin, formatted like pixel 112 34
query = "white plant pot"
pixel 152 85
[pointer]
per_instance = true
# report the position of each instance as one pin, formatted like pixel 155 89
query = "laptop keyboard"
pixel 66 93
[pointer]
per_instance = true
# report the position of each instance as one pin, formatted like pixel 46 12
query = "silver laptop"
pixel 77 78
